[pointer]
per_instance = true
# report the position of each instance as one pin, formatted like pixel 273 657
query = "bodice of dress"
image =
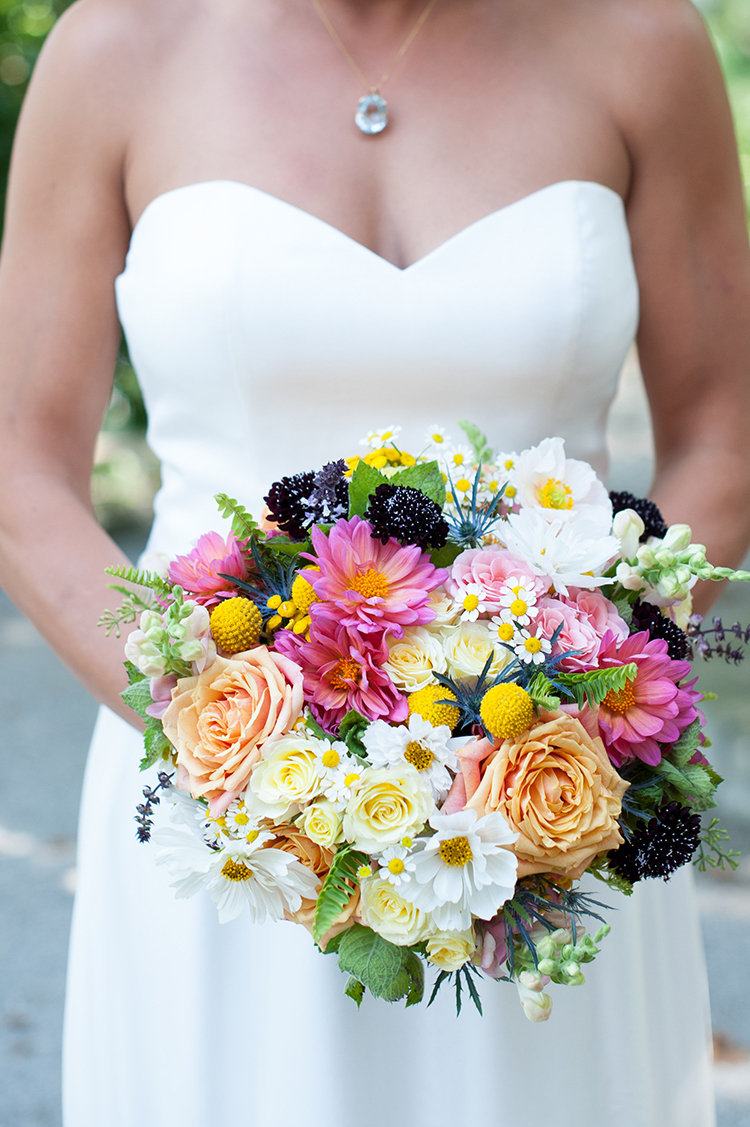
pixel 268 342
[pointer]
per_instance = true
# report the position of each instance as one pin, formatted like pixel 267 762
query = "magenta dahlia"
pixel 369 586
pixel 650 710
pixel 343 670
pixel 200 572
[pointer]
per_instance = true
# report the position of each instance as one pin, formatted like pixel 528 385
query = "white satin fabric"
pixel 267 342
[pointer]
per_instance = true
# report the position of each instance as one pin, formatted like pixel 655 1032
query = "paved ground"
pixel 50 731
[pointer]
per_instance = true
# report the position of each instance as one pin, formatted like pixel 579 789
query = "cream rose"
pixel 445 608
pixel 388 913
pixel 386 804
pixel 322 822
pixel 412 659
pixel 468 645
pixel 287 777
pixel 449 950
pixel 220 720
pixel 554 785
pixel 318 859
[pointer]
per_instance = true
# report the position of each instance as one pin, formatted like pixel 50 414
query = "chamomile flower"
pixel 464 871
pixel 504 630
pixel 375 439
pixel 238 821
pixel 518 602
pixel 396 865
pixel 530 648
pixel 338 783
pixel 436 436
pixel 471 601
pixel 458 461
pixel 431 750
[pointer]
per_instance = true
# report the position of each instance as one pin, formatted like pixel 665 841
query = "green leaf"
pixel 686 746
pixel 355 990
pixel 156 744
pixel 444 557
pixel 385 970
pixel 284 547
pixel 134 673
pixel 313 726
pixel 692 782
pixel 140 578
pixel 426 477
pixel 624 606
pixel 340 882
pixel 364 482
pixel 542 692
pixel 138 697
pixel 350 731
pixel 243 522
pixel 594 685
pixel 482 450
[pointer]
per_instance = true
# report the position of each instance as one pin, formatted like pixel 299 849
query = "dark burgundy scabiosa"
pixel 407 515
pixel 296 503
pixel 654 522
pixel 659 848
pixel 648 617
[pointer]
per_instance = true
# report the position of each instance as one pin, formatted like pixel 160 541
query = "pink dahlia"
pixel 369 586
pixel 343 670
pixel 586 617
pixel 654 708
pixel 200 571
pixel 491 568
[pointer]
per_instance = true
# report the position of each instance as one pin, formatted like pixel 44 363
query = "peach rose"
pixel 318 859
pixel 220 720
pixel 555 785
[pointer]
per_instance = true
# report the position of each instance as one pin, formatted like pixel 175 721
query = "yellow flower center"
pixel 351 779
pixel 493 487
pixel 364 871
pixel 510 491
pixel 371 583
pixel 330 758
pixel 458 459
pixel 620 700
pixel 407 842
pixel 456 851
pixel 555 495
pixel 236 870
pixel 505 631
pixel 437 439
pixel 518 607
pixel 532 645
pixel 241 819
pixel 471 602
pixel 506 710
pixel 419 756
pixel 509 463
pixel 344 673
pixel 396 865
pixel 463 484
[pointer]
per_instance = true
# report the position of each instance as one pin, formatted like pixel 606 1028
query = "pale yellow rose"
pixel 386 804
pixel 449 950
pixel 413 658
pixel 220 720
pixel 468 645
pixel 445 608
pixel 287 777
pixel 322 822
pixel 318 859
pixel 387 912
pixel 554 785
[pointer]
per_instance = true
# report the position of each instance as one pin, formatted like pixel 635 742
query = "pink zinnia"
pixel 343 670
pixel 369 586
pixel 200 572
pixel 651 710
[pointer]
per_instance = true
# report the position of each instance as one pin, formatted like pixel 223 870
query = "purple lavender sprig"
pixel 144 817
pixel 716 640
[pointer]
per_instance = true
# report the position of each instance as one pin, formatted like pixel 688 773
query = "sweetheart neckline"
pixel 403 270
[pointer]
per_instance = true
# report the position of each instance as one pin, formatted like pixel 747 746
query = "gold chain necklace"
pixel 372 109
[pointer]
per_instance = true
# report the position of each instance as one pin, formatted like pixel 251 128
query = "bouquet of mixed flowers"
pixel 417 701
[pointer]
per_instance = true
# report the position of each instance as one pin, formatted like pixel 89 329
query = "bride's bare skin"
pixel 495 99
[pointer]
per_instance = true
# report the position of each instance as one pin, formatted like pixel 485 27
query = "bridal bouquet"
pixel 416 701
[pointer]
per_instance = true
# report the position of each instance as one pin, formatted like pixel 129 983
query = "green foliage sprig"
pixel 131 607
pixel 483 452
pixel 340 883
pixel 387 971
pixel 244 523
pixel 593 686
pixel 711 853
pixel 140 579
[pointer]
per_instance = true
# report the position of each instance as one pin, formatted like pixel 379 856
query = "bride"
pixel 287 280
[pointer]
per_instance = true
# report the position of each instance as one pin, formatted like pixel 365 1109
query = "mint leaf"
pixel 138 697
pixel 351 729
pixel 482 450
pixel 426 477
pixel 385 970
pixel 444 557
pixel 363 484
pixel 355 990
pixel 156 744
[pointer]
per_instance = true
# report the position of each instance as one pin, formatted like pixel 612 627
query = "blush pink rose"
pixel 219 721
pixel 585 617
pixel 491 568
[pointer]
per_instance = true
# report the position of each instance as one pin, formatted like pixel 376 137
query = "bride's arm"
pixel 65 241
pixel 690 243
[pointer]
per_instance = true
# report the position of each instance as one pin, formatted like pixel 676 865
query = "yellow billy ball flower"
pixel 236 625
pixel 506 710
pixel 425 703
pixel 302 592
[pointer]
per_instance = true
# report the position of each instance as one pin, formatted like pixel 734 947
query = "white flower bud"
pixel 629 577
pixel 628 528
pixel 156 562
pixel 678 537
pixel 151 620
pixel 645 556
pixel 537 1006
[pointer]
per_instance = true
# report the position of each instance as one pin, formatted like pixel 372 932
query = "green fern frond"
pixel 542 692
pixel 594 685
pixel 340 882
pixel 140 578
pixel 244 523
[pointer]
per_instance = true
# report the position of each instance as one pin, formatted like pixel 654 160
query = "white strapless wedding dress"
pixel 268 342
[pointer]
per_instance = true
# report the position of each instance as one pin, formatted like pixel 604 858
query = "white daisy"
pixel 338 783
pixel 568 554
pixel 561 488
pixel 518 602
pixel 396 865
pixel 375 439
pixel 503 630
pixel 430 750
pixel 530 648
pixel 436 436
pixel 269 882
pixel 464 871
pixel 458 461
pixel 238 821
pixel 470 598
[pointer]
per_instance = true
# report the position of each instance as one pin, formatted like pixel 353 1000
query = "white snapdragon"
pixel 628 527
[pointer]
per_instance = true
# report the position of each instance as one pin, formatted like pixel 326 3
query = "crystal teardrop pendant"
pixel 372 114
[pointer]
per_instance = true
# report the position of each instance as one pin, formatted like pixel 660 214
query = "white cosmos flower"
pixel 567 553
pixel 561 488
pixel 464 871
pixel 269 882
pixel 430 749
